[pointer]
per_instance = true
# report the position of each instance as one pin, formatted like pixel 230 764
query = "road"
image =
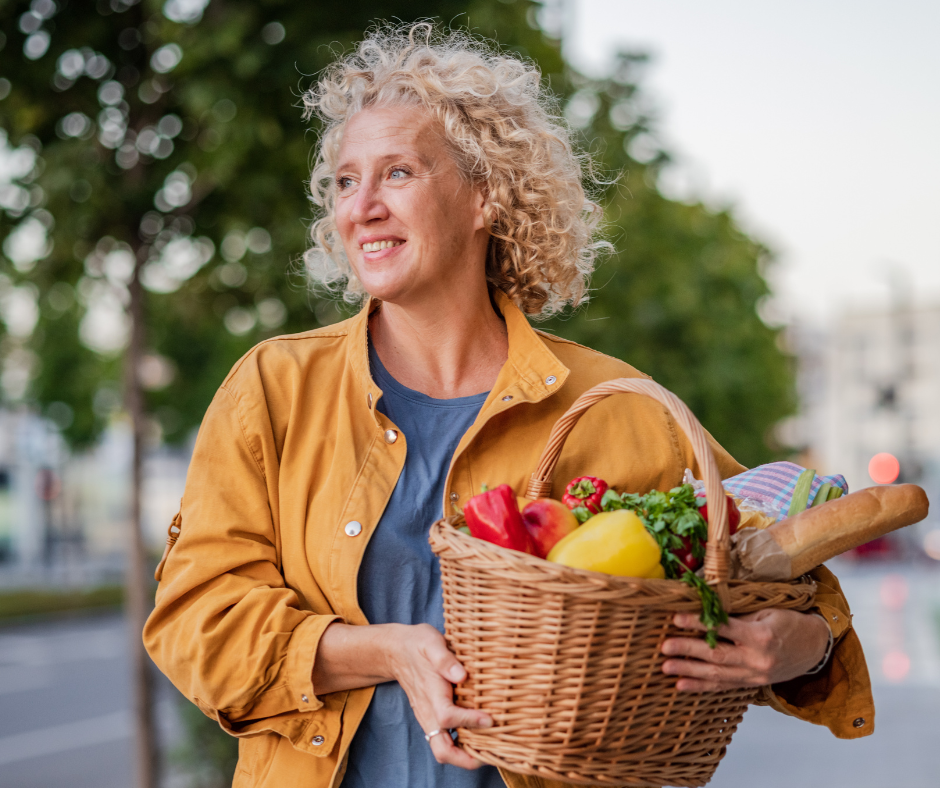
pixel 65 721
pixel 65 705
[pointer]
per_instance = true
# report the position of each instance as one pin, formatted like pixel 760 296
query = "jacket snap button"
pixel 454 496
pixel 507 398
pixel 316 741
pixel 391 436
pixel 304 698
pixel 550 379
pixel 353 528
pixel 369 400
pixel 859 722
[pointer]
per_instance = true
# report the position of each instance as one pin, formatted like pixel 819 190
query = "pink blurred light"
pixel 894 592
pixel 884 468
pixel 896 665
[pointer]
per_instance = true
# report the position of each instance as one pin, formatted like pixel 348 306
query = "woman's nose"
pixel 368 205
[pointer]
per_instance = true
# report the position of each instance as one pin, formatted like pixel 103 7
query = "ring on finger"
pixel 432 734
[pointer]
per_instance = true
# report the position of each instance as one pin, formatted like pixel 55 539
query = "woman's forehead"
pixel 380 131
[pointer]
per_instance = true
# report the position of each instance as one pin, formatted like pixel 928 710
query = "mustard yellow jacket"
pixel 291 472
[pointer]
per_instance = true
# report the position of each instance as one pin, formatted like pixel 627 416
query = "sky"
pixel 819 122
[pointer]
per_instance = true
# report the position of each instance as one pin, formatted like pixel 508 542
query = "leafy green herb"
pixel 582 513
pixel 713 614
pixel 670 516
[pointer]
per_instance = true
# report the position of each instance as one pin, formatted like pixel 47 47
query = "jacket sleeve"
pixel 839 696
pixel 226 630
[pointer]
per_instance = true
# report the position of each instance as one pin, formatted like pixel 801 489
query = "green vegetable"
pixel 835 492
pixel 822 494
pixel 713 614
pixel 582 513
pixel 670 516
pixel 801 492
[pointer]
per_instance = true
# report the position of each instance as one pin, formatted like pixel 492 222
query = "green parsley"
pixel 670 516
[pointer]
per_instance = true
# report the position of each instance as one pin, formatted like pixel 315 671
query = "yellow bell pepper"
pixel 616 543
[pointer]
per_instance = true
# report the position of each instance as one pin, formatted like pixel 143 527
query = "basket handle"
pixel 718 549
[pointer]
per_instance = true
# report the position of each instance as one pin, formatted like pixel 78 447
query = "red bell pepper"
pixel 494 516
pixel 585 491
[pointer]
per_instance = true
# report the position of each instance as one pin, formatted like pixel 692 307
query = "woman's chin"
pixel 391 292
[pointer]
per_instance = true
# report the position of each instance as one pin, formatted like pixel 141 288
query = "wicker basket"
pixel 567 661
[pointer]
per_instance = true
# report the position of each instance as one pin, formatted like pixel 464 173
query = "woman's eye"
pixel 398 173
pixel 343 183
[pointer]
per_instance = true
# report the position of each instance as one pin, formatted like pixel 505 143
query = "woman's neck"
pixel 443 350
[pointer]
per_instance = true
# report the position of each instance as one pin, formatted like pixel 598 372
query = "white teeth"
pixel 377 246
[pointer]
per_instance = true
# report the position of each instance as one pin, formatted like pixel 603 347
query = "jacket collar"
pixel 531 372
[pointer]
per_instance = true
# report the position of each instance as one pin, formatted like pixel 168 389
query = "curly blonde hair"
pixel 506 136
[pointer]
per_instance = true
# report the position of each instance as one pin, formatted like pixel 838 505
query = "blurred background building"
pixel 868 384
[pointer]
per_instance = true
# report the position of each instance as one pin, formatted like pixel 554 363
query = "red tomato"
pixel 684 554
pixel 734 516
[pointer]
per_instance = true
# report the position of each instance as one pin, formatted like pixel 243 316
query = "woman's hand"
pixel 426 669
pixel 417 657
pixel 766 647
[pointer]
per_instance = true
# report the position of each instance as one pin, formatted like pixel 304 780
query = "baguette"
pixel 818 534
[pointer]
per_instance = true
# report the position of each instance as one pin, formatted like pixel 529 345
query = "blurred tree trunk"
pixel 136 577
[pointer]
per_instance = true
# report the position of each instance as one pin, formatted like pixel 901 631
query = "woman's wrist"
pixel 351 657
pixel 830 644
pixel 389 640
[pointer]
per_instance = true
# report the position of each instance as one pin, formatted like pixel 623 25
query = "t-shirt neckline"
pixel 387 383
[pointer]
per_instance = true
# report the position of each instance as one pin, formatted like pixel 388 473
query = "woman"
pixel 301 606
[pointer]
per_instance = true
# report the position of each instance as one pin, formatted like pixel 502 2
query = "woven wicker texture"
pixel 567 661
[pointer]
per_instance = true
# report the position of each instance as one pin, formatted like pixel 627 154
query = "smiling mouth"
pixel 377 246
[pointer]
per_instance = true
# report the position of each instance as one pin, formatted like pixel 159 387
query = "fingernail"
pixel 456 673
pixel 486 722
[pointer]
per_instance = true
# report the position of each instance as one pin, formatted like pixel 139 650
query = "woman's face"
pixel 412 227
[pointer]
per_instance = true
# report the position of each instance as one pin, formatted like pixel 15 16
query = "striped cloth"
pixel 773 484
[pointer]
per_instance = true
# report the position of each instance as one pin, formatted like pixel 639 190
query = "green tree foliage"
pixel 175 142
pixel 678 298
pixel 169 136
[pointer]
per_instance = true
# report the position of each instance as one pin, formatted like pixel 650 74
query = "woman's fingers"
pixel 765 647
pixel 459 717
pixel 444 661
pixel 713 674
pixel 722 654
pixel 701 685
pixel 734 630
pixel 445 751
pixel 427 670
pixel 443 747
pixel 435 707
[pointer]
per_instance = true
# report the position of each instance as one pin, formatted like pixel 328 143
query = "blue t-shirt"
pixel 400 582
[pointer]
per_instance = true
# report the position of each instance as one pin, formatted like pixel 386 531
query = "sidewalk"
pixel 895 610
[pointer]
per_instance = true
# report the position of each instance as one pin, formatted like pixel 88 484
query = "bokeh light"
pixel 884 468
pixel 932 544
pixel 895 666
pixel 894 592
